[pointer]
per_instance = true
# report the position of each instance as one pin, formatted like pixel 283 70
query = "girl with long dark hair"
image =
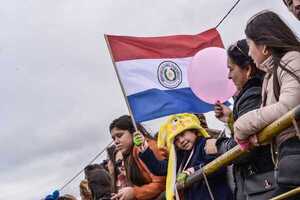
pixel 143 184
pixel 275 49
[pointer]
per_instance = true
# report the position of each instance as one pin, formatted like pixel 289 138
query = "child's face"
pixel 185 140
pixel 123 140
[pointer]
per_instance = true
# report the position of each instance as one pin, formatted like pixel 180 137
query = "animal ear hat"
pixel 175 125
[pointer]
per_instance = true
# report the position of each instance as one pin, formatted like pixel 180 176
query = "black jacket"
pixel 259 160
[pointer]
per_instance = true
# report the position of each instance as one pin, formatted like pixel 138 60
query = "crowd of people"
pixel 265 68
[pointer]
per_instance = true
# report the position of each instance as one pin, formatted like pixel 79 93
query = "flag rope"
pixel 77 174
pixel 221 21
pixel 134 123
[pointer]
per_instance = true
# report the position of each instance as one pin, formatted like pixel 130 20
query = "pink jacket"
pixel 253 121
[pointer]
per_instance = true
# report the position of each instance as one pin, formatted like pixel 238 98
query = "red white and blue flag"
pixel 153 72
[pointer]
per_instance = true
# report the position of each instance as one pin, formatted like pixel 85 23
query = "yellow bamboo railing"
pixel 287 194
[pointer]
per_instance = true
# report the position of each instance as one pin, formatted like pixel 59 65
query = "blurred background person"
pixel 85 192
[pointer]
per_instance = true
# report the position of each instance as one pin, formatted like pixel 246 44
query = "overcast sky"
pixel 58 88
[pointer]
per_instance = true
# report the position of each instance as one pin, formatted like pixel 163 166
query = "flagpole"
pixel 120 82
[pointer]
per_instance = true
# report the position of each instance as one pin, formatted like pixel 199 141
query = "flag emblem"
pixel 169 74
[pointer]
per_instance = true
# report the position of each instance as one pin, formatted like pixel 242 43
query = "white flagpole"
pixel 120 82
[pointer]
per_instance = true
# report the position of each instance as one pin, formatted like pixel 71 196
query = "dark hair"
pixel 104 164
pixel 111 152
pixel 202 119
pixel 133 172
pixel 267 28
pixel 99 181
pixel 111 155
pixel 285 3
pixel 125 123
pixel 91 167
pixel 238 54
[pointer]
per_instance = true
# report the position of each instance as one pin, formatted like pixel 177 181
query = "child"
pixel 184 139
pixel 143 185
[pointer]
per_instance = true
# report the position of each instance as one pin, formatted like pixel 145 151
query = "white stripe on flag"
pixel 141 74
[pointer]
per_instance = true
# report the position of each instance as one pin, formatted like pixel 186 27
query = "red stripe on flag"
pixel 177 46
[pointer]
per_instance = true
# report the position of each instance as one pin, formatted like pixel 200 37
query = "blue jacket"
pixel 199 191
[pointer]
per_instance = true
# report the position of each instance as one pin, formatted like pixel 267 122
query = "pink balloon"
pixel 208 75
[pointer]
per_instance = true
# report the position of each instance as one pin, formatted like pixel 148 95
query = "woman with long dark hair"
pixel 143 184
pixel 253 174
pixel 275 49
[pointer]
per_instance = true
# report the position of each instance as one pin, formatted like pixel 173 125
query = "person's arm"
pixel 157 167
pixel 224 144
pixel 251 100
pixel 157 184
pixel 253 121
pixel 144 192
pixel 151 190
pixel 205 159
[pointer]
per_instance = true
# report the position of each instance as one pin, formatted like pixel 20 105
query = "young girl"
pixel 116 168
pixel 275 49
pixel 184 139
pixel 143 184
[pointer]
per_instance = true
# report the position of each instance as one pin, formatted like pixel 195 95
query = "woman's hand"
pixel 125 193
pixel 222 112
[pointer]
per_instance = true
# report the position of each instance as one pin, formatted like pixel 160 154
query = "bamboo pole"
pixel 287 194
pixel 264 136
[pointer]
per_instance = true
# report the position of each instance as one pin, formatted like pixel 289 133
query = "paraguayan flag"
pixel 153 72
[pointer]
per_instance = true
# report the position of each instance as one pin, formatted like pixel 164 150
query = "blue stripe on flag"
pixel 155 103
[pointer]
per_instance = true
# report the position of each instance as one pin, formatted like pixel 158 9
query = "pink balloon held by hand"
pixel 207 75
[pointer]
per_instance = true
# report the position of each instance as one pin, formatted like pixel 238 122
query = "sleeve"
pixel 157 167
pixel 224 144
pixel 251 101
pixel 157 183
pixel 151 190
pixel 208 158
pixel 253 121
pixel 202 158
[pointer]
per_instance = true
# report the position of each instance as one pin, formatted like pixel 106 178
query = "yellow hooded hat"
pixel 174 126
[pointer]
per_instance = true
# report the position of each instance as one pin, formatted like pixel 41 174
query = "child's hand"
pixel 181 177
